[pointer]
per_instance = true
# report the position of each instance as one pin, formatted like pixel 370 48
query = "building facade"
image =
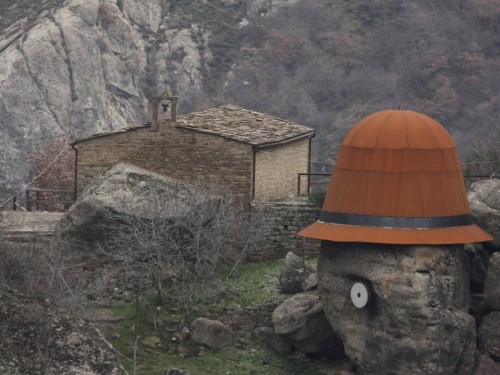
pixel 255 156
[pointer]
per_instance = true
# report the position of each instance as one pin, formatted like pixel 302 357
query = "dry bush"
pixel 42 272
pixel 483 157
pixel 179 234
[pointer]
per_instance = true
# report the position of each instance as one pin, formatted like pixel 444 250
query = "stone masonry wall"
pixel 280 236
pixel 175 152
pixel 277 168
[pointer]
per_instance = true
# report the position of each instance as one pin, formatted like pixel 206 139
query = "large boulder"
pixel 302 322
pixel 271 339
pixel 487 366
pixel 294 273
pixel 212 333
pixel 109 196
pixel 413 301
pixel 489 333
pixel 492 283
pixel 484 198
pixel 479 258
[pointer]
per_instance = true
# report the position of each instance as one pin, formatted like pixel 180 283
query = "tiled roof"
pixel 243 125
pixel 233 122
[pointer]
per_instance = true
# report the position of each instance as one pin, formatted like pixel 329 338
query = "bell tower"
pixel 164 109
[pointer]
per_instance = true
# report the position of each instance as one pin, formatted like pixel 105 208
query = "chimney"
pixel 164 109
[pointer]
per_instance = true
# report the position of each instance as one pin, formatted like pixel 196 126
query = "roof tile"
pixel 243 125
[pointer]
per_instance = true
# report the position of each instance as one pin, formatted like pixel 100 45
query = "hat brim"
pixel 397 236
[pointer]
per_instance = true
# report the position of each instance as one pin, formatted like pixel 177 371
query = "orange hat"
pixel 397 180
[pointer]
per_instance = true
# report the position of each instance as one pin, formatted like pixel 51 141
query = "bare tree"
pixel 176 232
pixel 482 158
pixel 42 271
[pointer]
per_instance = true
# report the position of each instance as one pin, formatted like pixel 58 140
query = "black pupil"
pixel 359 295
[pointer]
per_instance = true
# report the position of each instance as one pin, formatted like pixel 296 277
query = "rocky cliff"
pixel 75 68
pixel 72 68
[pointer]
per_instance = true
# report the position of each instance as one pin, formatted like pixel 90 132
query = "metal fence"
pixel 308 182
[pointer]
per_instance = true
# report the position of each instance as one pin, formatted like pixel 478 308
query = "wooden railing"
pixel 15 205
pixel 49 199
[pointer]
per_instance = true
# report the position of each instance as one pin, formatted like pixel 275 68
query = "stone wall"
pixel 280 235
pixel 277 168
pixel 172 151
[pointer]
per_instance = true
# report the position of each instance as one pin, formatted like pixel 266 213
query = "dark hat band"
pixel 395 221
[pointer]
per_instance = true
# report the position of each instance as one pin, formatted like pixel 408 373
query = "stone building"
pixel 257 156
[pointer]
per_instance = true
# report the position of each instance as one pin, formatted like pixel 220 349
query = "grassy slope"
pixel 255 285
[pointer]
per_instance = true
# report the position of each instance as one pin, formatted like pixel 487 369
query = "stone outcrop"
pixel 301 321
pixel 74 346
pixel 83 225
pixel 294 273
pixel 87 67
pixel 489 333
pixel 416 296
pixel 487 366
pixel 271 339
pixel 492 283
pixel 311 282
pixel 484 198
pixel 212 333
pixel 82 67
pixel 262 8
pixel 479 258
pixel 77 71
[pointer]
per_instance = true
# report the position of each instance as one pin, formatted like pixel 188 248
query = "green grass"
pixel 255 285
pixel 228 361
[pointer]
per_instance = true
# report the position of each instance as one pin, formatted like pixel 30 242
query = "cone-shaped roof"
pixel 397 180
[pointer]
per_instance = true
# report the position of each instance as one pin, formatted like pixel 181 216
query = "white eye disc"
pixel 360 295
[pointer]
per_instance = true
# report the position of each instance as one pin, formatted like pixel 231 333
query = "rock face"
pixel 492 283
pixel 478 259
pixel 301 321
pixel 77 71
pixel 87 67
pixel 484 198
pixel 487 366
pixel 416 297
pixel 311 282
pixel 294 274
pixel 84 223
pixel 271 339
pixel 489 333
pixel 212 333
pixel 261 8
pixel 80 67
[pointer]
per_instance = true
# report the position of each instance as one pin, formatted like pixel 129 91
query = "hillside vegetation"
pixel 329 64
